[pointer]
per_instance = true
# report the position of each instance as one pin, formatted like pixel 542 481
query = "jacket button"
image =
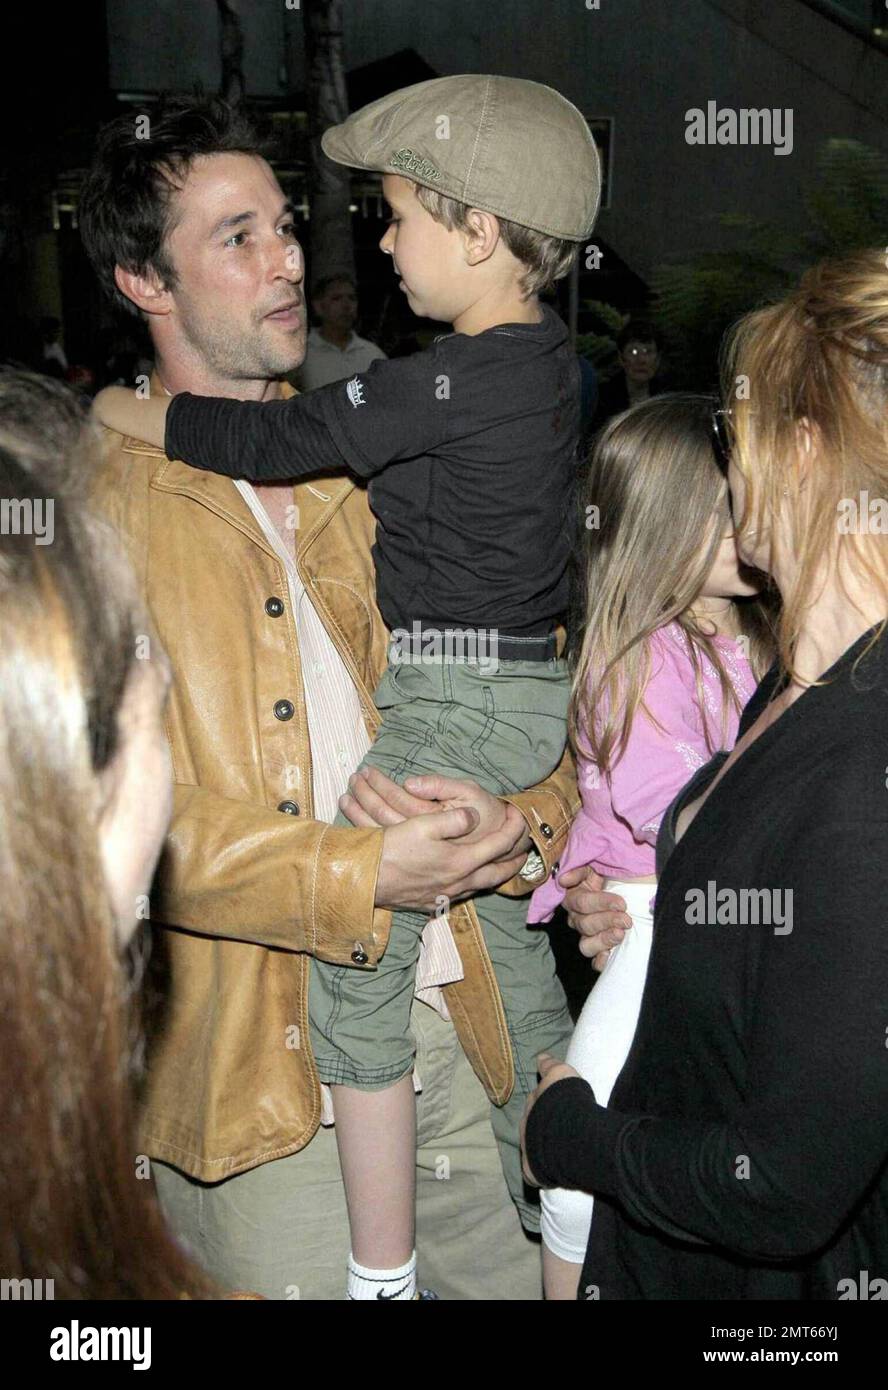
pixel 555 867
pixel 546 830
pixel 274 607
pixel 284 709
pixel 359 955
pixel 289 808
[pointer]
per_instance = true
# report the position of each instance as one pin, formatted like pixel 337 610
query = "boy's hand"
pixel 122 410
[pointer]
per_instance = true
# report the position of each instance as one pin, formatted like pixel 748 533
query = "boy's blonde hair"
pixel 547 258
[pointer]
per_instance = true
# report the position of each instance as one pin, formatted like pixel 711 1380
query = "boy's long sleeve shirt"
pixel 469 450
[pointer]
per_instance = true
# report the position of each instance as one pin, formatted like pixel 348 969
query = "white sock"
pixel 385 1284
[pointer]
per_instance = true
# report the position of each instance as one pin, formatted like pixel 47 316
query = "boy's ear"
pixel 146 291
pixel 481 235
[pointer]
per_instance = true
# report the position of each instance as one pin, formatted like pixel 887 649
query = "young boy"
pixel 470 451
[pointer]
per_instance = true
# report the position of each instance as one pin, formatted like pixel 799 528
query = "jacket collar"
pixel 318 499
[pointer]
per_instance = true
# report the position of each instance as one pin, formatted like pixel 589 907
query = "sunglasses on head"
pixel 722 442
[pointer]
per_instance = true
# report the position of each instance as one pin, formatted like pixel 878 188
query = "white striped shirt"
pixel 338 740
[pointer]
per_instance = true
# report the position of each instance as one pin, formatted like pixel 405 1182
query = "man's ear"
pixel 146 291
pixel 480 235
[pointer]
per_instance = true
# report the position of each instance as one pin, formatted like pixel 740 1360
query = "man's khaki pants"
pixel 282 1229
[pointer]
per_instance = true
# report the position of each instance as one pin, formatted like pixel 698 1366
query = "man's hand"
pixel 374 799
pixel 122 410
pixel 600 918
pixel 551 1070
pixel 441 853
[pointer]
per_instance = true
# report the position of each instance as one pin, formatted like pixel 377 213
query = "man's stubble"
pixel 234 352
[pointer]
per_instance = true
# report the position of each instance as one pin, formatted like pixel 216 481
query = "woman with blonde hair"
pixel 84 805
pixel 674 641
pixel 744 1152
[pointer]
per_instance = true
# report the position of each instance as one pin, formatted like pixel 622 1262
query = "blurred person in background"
pixel 639 347
pixel 334 351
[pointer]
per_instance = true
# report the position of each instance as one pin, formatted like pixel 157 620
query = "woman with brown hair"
pixel 744 1153
pixel 84 805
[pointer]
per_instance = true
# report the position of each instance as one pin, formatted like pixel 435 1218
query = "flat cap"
pixel 508 146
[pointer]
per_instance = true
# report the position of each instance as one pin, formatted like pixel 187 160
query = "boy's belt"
pixel 469 644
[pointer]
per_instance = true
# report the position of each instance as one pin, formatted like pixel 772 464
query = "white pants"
pixel 598 1049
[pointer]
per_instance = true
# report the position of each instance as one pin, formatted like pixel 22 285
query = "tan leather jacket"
pixel 247 893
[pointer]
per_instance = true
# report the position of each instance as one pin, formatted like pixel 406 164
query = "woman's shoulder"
pixel 854 702
pixel 852 697
pixel 866 666
pixel 834 742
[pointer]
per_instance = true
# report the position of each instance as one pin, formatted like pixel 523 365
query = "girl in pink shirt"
pixel 674 642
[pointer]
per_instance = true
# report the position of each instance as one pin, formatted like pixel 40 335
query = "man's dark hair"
pixel 343 277
pixel 141 160
pixel 639 331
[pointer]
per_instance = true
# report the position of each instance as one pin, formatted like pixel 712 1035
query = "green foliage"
pixel 699 299
pixel 599 345
pixel 849 204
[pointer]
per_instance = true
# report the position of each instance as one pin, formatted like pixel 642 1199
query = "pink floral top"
pixel 616 828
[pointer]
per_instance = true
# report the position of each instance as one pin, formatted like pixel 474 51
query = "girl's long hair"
pixel 818 358
pixel 76 1202
pixel 655 507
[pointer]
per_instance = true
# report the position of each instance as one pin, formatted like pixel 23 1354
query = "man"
pixel 638 349
pixel 334 350
pixel 264 601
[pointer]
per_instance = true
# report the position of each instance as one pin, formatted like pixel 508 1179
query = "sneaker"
pixel 425 1293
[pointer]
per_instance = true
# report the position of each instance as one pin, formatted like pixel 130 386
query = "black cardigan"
pixel 744 1153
